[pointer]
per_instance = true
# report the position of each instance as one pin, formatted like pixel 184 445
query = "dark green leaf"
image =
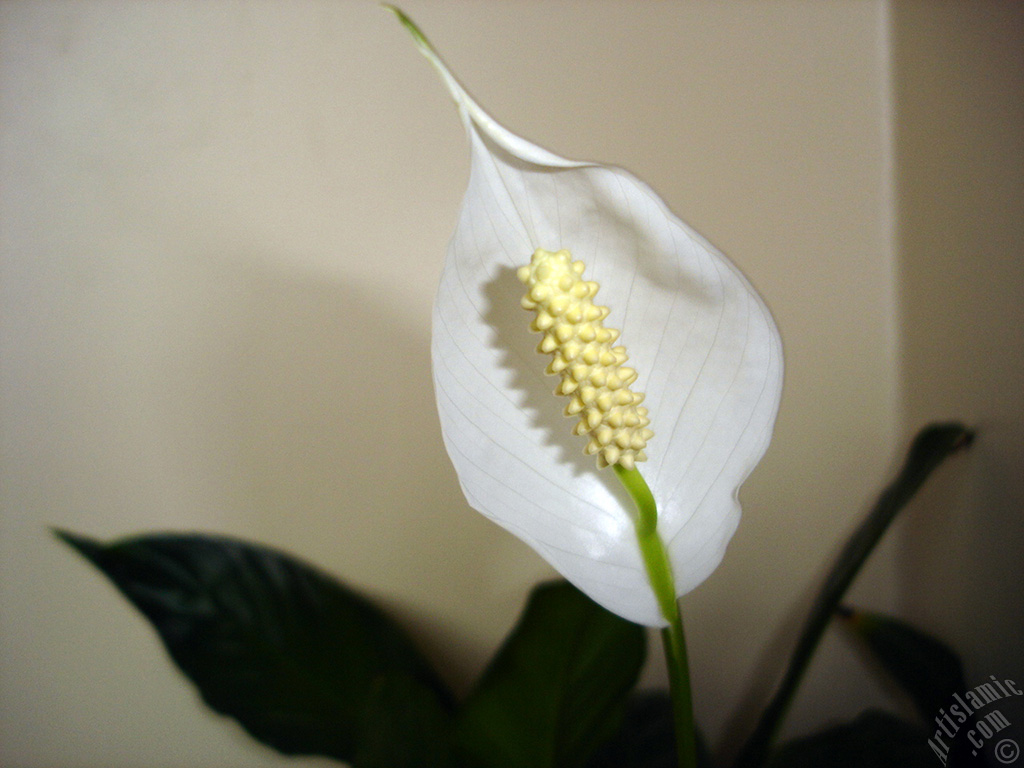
pixel 286 650
pixel 404 726
pixel 926 668
pixel 646 738
pixel 874 740
pixel 556 690
pixel 929 449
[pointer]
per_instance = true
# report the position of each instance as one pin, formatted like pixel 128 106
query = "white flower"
pixel 704 346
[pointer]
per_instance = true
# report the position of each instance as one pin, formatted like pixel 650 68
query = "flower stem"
pixel 659 572
pixel 674 641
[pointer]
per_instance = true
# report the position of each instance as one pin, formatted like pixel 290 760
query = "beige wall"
pixel 960 140
pixel 221 227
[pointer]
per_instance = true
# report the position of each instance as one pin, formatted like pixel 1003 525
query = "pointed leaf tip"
pixel 289 652
pixel 409 24
pixel 455 89
pixel 90 549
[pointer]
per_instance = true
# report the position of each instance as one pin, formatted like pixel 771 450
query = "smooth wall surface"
pixel 960 146
pixel 221 228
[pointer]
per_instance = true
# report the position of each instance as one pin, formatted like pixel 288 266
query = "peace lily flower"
pixel 702 346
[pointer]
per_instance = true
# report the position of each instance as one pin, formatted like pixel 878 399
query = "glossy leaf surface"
pixel 556 690
pixel 290 653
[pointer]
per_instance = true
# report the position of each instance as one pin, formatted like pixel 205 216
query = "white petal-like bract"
pixel 706 349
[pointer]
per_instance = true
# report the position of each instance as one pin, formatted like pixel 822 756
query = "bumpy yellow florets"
pixel 592 370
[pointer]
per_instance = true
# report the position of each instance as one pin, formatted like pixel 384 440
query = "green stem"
pixel 659 572
pixel 930 448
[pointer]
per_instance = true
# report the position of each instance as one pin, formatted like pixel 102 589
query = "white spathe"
pixel 708 354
